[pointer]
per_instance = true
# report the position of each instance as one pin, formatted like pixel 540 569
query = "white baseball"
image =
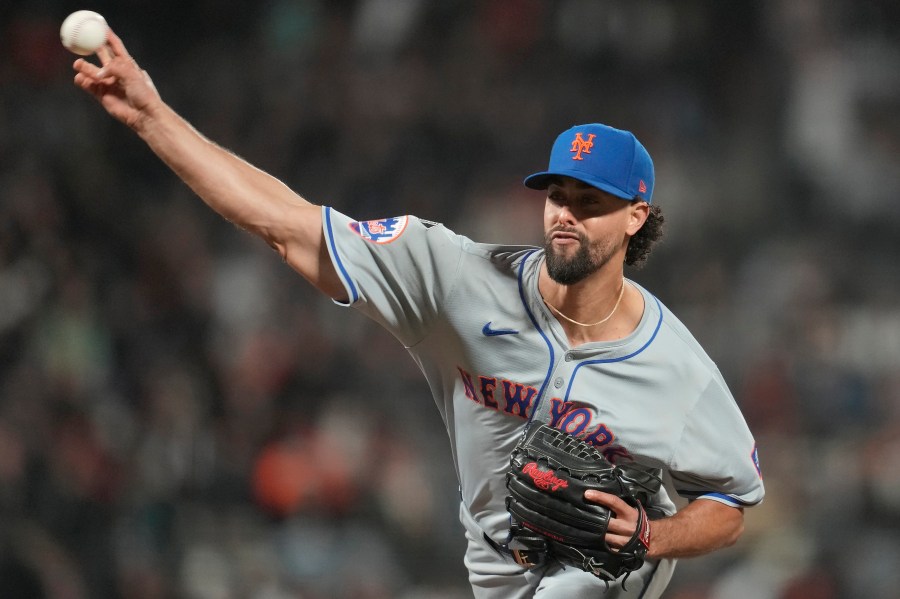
pixel 83 32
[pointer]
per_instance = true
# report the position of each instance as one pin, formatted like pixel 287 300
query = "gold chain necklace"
pixel 593 324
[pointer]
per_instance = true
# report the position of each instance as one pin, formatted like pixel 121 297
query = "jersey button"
pixel 558 382
pixel 569 357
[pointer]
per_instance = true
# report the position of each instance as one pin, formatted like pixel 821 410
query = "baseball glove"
pixel 548 474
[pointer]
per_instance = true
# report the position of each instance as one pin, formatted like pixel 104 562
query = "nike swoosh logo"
pixel 489 332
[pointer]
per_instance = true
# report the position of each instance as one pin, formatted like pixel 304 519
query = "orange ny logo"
pixel 579 145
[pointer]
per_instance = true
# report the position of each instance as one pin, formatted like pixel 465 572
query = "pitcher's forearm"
pixel 700 528
pixel 244 195
pixel 240 192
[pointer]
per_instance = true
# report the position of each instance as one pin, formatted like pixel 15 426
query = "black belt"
pixel 527 558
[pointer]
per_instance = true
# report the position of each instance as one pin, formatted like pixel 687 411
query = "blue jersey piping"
pixel 729 498
pixel 621 358
pixel 537 327
pixel 354 295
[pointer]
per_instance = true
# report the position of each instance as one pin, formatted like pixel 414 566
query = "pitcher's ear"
pixel 638 214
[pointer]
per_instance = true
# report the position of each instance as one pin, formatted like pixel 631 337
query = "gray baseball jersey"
pixel 472 318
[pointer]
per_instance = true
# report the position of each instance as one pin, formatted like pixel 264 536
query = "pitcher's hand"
pixel 119 84
pixel 624 519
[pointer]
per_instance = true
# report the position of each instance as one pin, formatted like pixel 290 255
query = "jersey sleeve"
pixel 716 457
pixel 398 271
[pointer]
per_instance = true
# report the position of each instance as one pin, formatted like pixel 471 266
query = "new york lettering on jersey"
pixel 518 399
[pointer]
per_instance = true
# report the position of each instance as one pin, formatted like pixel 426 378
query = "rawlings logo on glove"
pixel 544 479
pixel 548 475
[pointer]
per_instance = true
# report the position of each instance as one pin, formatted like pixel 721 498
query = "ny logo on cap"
pixel 579 145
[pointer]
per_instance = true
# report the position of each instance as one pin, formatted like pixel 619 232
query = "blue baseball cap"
pixel 603 157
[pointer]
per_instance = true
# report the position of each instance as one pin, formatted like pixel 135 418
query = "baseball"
pixel 83 32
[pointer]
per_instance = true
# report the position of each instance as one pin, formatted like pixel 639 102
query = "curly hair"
pixel 642 242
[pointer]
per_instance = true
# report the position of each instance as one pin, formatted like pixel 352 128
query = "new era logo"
pixel 642 187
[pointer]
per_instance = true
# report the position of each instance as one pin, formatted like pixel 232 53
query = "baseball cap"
pixel 603 157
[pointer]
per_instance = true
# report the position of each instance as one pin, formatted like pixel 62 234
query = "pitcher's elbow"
pixel 735 535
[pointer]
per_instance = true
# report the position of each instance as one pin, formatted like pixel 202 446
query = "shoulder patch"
pixel 383 230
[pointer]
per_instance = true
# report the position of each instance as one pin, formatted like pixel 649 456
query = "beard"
pixel 570 270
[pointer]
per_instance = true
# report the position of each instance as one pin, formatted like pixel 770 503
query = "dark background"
pixel 181 416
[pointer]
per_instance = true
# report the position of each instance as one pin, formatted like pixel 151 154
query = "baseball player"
pixel 506 335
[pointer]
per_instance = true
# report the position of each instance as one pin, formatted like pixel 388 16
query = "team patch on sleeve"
pixel 383 230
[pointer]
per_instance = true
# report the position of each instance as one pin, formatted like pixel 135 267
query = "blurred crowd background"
pixel 181 416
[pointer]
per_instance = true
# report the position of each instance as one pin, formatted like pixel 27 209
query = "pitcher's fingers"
pixel 617 527
pixel 116 43
pixel 82 81
pixel 87 84
pixel 607 500
pixel 104 53
pixel 616 542
pixel 92 71
pixel 88 69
